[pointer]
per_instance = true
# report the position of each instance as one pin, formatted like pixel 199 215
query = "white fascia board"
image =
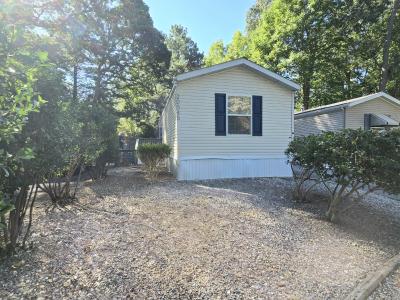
pixel 319 111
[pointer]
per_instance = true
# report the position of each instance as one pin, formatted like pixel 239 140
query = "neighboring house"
pixel 230 120
pixel 378 110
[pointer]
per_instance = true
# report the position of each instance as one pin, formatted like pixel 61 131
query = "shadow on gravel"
pixel 120 181
pixel 168 239
pixel 374 220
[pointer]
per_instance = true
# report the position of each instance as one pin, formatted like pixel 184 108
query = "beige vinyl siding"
pixel 197 115
pixel 332 121
pixel 170 125
pixel 355 114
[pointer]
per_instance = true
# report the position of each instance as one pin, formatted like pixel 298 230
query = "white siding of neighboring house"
pixel 170 131
pixel 355 114
pixel 202 155
pixel 332 121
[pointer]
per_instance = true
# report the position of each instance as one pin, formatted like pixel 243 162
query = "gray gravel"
pixel 224 239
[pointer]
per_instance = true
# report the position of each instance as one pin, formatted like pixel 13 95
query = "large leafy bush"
pixel 348 163
pixel 68 138
pixel 152 155
pixel 18 99
pixel 45 137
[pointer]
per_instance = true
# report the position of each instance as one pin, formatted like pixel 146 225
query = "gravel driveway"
pixel 223 239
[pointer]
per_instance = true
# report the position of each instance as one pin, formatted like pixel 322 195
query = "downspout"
pixel 344 117
pixel 178 127
pixel 292 117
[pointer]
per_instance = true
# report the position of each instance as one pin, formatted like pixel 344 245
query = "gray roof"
pixel 344 104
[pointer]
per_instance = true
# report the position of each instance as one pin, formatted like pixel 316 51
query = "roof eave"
pixel 300 115
pixel 349 103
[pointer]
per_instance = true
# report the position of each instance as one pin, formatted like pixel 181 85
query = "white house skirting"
pixel 246 167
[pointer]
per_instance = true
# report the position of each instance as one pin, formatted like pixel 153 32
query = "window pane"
pixel 239 125
pixel 239 105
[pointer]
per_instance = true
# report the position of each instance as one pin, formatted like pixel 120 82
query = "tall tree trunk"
pixel 75 87
pixel 386 46
pixel 348 85
pixel 395 70
pixel 396 91
pixel 306 94
pixel 308 76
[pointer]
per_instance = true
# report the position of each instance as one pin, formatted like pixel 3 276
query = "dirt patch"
pixel 128 237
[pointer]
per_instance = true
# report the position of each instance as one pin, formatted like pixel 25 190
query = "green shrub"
pixel 302 154
pixel 152 155
pixel 19 98
pixel 347 163
pixel 5 208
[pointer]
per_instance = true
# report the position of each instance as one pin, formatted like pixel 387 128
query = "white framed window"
pixel 239 114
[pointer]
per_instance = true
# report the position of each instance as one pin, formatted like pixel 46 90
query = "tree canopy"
pixel 142 102
pixel 335 50
pixel 185 54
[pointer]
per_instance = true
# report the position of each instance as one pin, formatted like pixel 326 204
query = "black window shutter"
pixel 220 114
pixel 257 116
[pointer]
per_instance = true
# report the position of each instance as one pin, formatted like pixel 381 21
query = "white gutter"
pixel 300 115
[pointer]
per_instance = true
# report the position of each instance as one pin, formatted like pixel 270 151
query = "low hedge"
pixel 152 155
